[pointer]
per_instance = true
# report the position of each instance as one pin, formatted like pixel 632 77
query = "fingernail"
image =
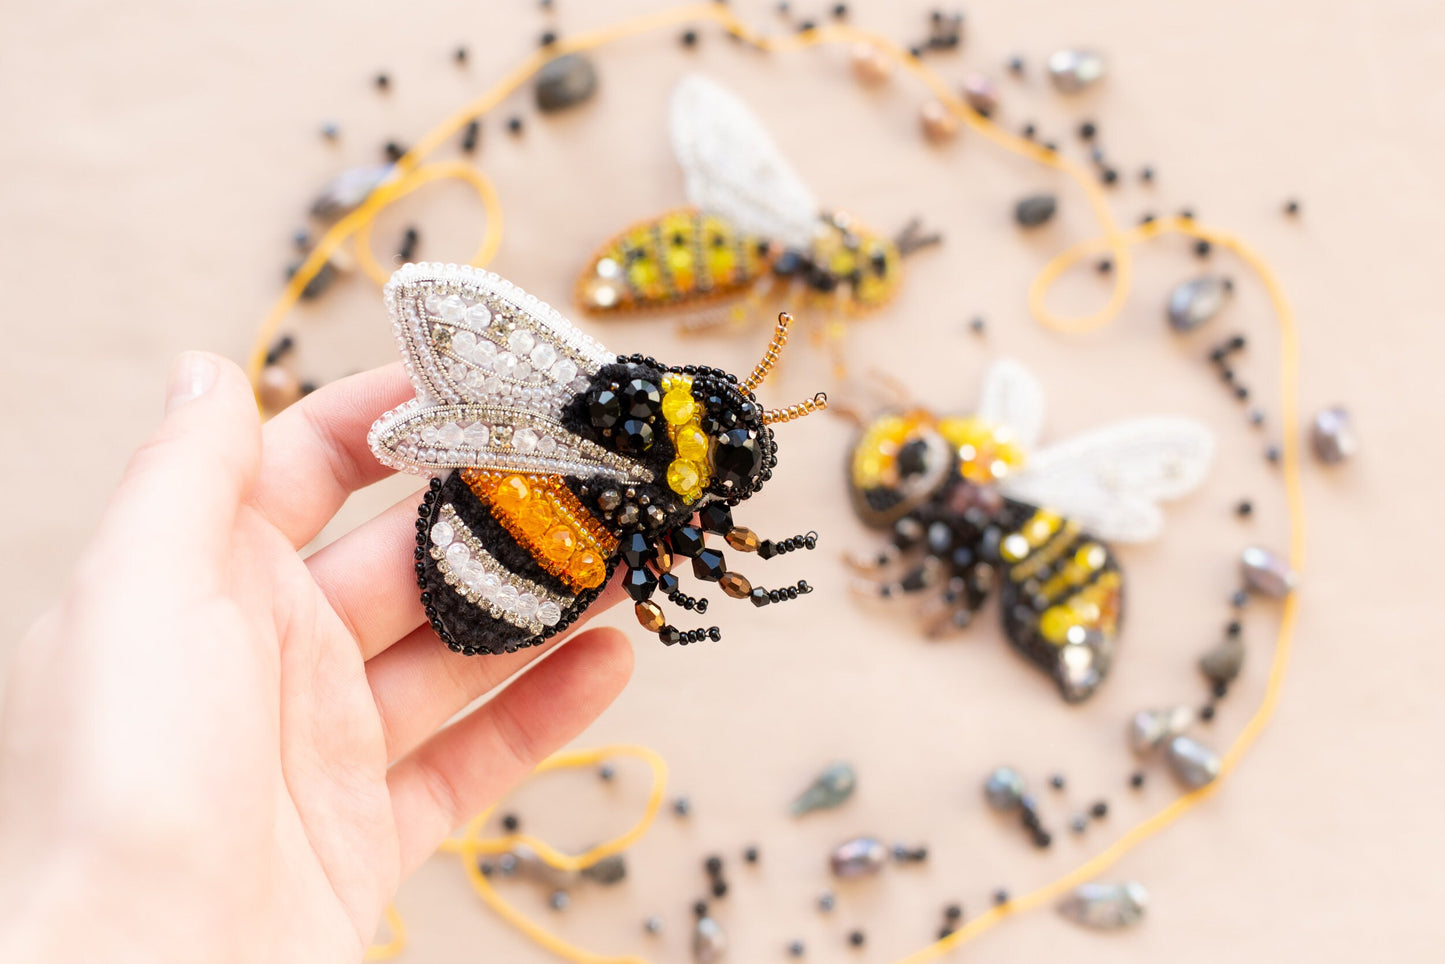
pixel 192 375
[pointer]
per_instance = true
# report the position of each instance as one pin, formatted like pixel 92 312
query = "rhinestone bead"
pixel 1004 789
pixel 1192 763
pixel 1332 436
pixel 1264 572
pixel 634 436
pixel 641 398
pixel 1194 302
pixel 1073 70
pixel 604 408
pixel 1105 906
pixel 859 857
pixel 736 458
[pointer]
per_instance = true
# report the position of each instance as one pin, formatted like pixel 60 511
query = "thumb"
pixel 178 498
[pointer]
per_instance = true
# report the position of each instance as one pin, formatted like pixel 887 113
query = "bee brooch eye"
pixel 554 461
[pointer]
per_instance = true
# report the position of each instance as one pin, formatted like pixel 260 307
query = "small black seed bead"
pixel 689 38
pixel 1099 810
pixel 1202 248
pixel 1220 689
pixel 510 822
pixel 1234 628
pixel 1244 508
pixel 1136 779
pixel 714 634
pixel 1057 781
pixel 1206 712
pixel 719 888
pixel 1146 174
pixel 1087 130
pixel 1104 266
pixel 857 938
pixel 1000 897
pixel 1239 599
pixel 953 912
pixel 751 854
pixel 382 81
pixel 514 125
pixel 1291 207
pixel 1109 175
pixel 699 909
pixel 548 38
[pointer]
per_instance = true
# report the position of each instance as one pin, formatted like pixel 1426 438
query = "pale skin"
pixel 216 748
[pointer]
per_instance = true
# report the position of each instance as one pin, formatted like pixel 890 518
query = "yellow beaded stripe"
pixel 1048 554
pixel 1094 607
pixel 688 474
pixel 547 520
pixel 831 252
pixel 875 458
pixel 987 452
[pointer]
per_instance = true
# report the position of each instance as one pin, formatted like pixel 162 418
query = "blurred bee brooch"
pixel 753 222
pixel 553 460
pixel 970 508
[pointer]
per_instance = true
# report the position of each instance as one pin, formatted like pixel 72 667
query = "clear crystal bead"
pixel 546 445
pixel 506 597
pixel 429 434
pixel 475 435
pixel 507 365
pixel 450 435
pixel 464 343
pixel 543 356
pixel 458 555
pixel 524 440
pixel 479 315
pixel 526 605
pixel 549 613
pixel 442 534
pixel 433 304
pixel 453 308
pixel 564 371
pixel 521 341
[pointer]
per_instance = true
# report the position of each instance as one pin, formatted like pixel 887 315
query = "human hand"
pixel 213 749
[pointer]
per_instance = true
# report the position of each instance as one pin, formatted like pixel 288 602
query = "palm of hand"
pixel 251 741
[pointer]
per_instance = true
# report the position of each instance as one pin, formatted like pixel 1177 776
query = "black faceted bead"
pixel 604 408
pixel 708 564
pixel 634 437
pixel 667 582
pixel 687 541
pixel 637 550
pixel 736 457
pixel 759 596
pixel 670 635
pixel 767 549
pixel 641 398
pixel 716 517
pixel 640 584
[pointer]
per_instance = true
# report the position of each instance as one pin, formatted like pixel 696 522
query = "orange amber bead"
pixel 535 515
pixel 649 614
pixel 558 544
pixel 588 569
pixel 742 539
pixel 735 584
pixel 512 492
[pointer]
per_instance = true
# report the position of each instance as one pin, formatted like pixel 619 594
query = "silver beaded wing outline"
pixel 493 368
pixel 1110 480
pixel 733 169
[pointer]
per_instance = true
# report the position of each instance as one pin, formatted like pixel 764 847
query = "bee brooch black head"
pixel 553 459
pixel 970 508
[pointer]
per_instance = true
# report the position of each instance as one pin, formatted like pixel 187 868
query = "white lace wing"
pixel 1013 397
pixel 732 168
pixel 493 368
pixel 1112 480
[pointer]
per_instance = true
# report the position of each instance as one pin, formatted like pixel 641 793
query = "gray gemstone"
pixel 1073 70
pixel 859 857
pixel 608 870
pixel 1149 729
pixel 709 943
pixel 1193 764
pixel 1083 664
pixel 1192 303
pixel 1106 906
pixel 1004 788
pixel 559 900
pixel 609 500
pixel 1332 436
pixel 564 82
pixel 319 282
pixel 348 190
pixel 831 787
pixel 1266 573
pixel 1224 660
pixel 653 925
pixel 628 516
pixel 1036 209
pixel 980 93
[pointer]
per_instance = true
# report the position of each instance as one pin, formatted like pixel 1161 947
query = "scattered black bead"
pixel 1016 65
pixel 1079 824
pixel 840 10
pixel 681 806
pixel 857 938
pixel 1245 508
pixel 1057 781
pixel 1000 897
pixel 1029 131
pixel 1136 779
pixel 1146 174
pixel 1104 266
pixel 699 909
pixel 1202 248
pixel 1239 599
pixel 945 932
pixel 953 912
pixel 719 888
pixel 713 865
pixel 807 26
pixel 383 82
pixel 1087 130
pixel 1273 454
pixel 1099 810
pixel 1220 689
pixel 916 52
pixel 548 38
pixel 1187 214
pixel 784 8
pixel 330 131
pixel 1051 146
pixel 1146 218
pixel 826 901
pixel 1291 207
pixel 514 125
pixel 1042 839
pixel 689 38
pixel 606 772
pixel 510 823
pixel 1206 712
pixel 795 948
pixel 471 135
pixel 977 324
pixel 1109 175
pixel 751 855
pixel 460 55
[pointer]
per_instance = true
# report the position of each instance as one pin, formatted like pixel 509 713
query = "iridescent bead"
pixel 1105 906
pixel 829 789
pixel 859 857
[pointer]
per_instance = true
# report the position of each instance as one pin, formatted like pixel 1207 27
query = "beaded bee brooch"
pixel 970 511
pixel 753 222
pixel 553 460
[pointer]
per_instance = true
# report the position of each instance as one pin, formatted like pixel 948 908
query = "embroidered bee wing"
pixel 493 368
pixel 1013 397
pixel 733 169
pixel 1112 480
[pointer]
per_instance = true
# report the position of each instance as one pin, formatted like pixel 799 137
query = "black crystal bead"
pixel 716 517
pixel 637 550
pixel 759 596
pixel 788 263
pixel 670 635
pixel 708 564
pixel 640 584
pixel 667 582
pixel 604 408
pixel 687 541
pixel 634 437
pixel 767 549
pixel 641 398
pixel 736 457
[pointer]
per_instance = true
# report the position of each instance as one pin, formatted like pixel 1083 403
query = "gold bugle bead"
pixel 649 614
pixel 735 584
pixel 742 539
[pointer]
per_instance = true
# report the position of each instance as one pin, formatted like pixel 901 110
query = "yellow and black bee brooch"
pixel 553 460
pixel 971 510
pixel 752 223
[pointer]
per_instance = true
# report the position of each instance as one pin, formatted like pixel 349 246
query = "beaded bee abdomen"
pixel 558 460
pixel 966 509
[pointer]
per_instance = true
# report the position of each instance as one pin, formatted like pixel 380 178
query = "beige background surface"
pixel 158 155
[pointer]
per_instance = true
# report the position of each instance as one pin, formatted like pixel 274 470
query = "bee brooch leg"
pixel 650 566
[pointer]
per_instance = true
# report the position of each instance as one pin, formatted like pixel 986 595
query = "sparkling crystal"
pixel 1194 302
pixel 464 343
pixel 489 584
pixel 736 585
pixel 433 304
pixel 1105 906
pixel 736 458
pixel 641 398
pixel 524 440
pixel 1264 572
pixel 1073 70
pixel 980 93
pixel 547 445
pixel 1332 436
pixel 475 435
pixel 1194 764
pixel 506 597
pixel 640 584
pixel 479 315
pixel 458 555
pixel 829 789
pixel 453 309
pixel 549 613
pixel 442 534
pixel 1149 729
pixel 543 356
pixel 449 435
pixel 564 371
pixel 507 365
pixel 521 341
pixel 485 353
pixel 709 565
pixel 429 434
pixel 1004 788
pixel 859 857
pixel 604 408
pixel 526 605
pixel 634 436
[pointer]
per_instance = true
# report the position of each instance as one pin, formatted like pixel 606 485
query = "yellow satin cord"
pixel 393 947
pixel 1113 240
pixel 491 239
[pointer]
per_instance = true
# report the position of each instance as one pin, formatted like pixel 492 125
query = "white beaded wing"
pixel 1113 479
pixel 733 169
pixel 493 368
pixel 1013 397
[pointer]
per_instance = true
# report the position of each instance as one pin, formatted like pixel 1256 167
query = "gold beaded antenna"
pixel 771 354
